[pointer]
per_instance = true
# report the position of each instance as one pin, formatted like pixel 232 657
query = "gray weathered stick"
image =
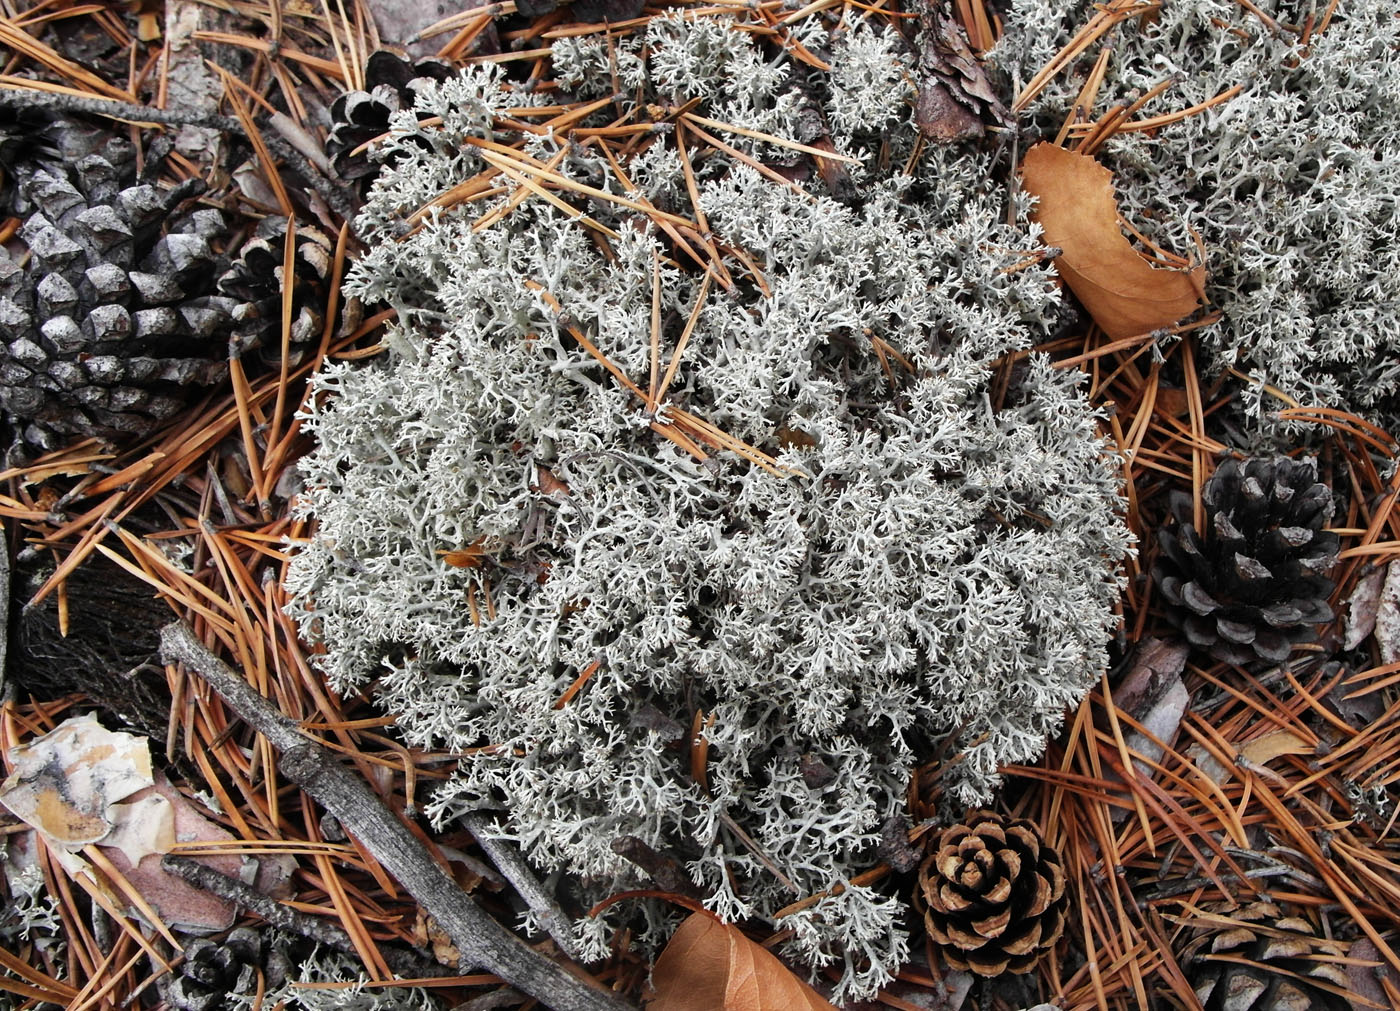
pixel 483 942
pixel 515 870
pixel 405 963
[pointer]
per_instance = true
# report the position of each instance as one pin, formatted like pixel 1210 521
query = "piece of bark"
pixel 1387 626
pixel 1362 606
pixel 1154 695
pixel 111 632
pixel 666 872
pixel 894 848
pixel 484 943
pixel 4 607
pixel 955 98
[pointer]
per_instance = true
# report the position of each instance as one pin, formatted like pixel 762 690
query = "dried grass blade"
pixel 1084 104
pixel 1108 15
pixel 690 323
pixel 539 191
pixel 289 253
pixel 655 331
pixel 37 985
pixel 109 870
pixel 250 127
pixel 26 45
pixel 329 68
pixel 539 172
pixel 1157 122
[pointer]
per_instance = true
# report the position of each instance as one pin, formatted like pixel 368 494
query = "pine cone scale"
pixel 1255 959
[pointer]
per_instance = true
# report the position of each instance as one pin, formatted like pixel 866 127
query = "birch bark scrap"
pixel 1125 294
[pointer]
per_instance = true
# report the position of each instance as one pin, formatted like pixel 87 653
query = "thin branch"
pixel 405 963
pixel 483 942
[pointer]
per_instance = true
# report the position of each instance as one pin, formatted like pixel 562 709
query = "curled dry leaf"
pixel 710 966
pixel 1124 293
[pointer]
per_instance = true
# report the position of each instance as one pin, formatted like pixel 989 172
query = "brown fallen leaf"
pixel 1125 294
pixel 710 966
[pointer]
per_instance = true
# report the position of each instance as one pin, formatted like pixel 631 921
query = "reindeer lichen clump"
pixel 812 544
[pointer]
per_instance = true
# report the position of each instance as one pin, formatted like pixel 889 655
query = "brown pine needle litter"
pixel 1262 789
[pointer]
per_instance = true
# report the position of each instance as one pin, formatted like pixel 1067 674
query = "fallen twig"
pixel 515 870
pixel 405 963
pixel 483 942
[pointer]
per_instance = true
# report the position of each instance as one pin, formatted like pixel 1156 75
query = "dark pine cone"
pixel 255 281
pixel 993 894
pixel 1255 584
pixel 360 116
pixel 112 319
pixel 35 139
pixel 213 969
pixel 1257 959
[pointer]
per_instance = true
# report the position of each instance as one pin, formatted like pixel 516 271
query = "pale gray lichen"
pixel 939 562
pixel 1292 185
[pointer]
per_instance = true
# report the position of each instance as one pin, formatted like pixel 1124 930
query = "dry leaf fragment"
pixel 710 966
pixel 1125 294
pixel 1363 606
pixel 1263 750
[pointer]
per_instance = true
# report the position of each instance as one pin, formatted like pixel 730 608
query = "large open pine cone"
pixel 1257 959
pixel 993 894
pixel 112 318
pixel 360 116
pixel 37 139
pixel 1252 584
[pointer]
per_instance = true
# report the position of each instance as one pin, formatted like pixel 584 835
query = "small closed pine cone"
pixel 213 969
pixel 992 894
pixel 1253 583
pixel 255 281
pixel 358 117
pixel 1257 959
